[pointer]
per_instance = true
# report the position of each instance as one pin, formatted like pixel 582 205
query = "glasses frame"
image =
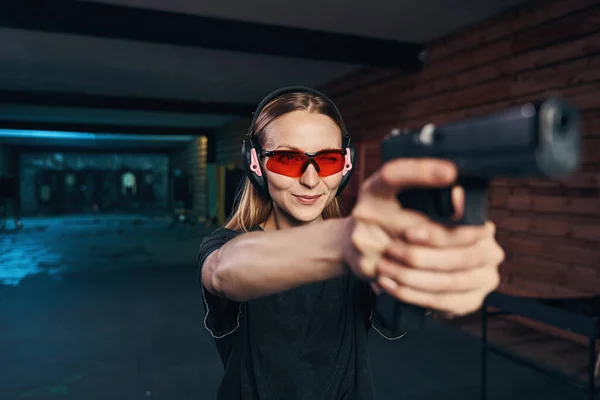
pixel 310 156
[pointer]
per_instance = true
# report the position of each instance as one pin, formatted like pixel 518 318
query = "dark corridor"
pixel 75 192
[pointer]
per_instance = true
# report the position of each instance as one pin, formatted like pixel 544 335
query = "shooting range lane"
pixel 108 318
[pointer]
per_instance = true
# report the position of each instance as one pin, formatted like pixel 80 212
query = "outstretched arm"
pixel 410 257
pixel 258 264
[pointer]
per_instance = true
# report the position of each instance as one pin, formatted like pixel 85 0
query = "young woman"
pixel 288 283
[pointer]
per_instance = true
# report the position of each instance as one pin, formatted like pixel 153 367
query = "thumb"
pixel 403 173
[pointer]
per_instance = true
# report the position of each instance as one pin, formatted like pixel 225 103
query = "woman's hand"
pixel 412 258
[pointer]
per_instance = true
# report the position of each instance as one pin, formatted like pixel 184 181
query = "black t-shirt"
pixel 306 343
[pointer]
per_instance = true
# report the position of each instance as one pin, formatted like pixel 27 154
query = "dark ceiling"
pixel 185 67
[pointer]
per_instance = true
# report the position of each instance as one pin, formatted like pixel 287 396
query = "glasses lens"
pixel 291 163
pixel 330 163
pixel 288 163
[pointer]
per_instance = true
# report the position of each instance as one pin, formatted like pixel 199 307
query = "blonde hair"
pixel 250 208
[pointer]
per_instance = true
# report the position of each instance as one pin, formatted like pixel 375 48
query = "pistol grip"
pixel 436 203
pixel 475 211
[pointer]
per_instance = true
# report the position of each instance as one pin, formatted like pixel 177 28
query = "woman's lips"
pixel 307 200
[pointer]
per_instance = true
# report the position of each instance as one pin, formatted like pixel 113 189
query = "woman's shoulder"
pixel 223 233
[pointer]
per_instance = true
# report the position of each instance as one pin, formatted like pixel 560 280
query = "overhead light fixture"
pixel 36 134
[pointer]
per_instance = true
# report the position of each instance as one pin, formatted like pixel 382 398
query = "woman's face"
pixel 302 199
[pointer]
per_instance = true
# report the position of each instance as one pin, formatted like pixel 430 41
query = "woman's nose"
pixel 310 177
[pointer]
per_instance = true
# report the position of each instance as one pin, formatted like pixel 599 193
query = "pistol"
pixel 533 140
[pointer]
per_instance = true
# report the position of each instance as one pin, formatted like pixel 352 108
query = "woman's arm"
pixel 258 264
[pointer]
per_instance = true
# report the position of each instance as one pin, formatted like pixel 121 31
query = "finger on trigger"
pixel 458 202
pixel 399 223
pixel 490 228
pixel 404 173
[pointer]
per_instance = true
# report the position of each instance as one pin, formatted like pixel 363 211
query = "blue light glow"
pixel 31 134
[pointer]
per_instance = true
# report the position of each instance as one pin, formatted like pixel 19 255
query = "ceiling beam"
pixel 103 128
pixel 119 22
pixel 125 103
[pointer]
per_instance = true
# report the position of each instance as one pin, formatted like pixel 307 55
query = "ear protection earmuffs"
pixel 251 151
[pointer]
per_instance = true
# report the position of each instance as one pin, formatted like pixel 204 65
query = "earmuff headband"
pixel 293 89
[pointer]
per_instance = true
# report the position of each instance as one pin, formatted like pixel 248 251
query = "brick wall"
pixel 550 230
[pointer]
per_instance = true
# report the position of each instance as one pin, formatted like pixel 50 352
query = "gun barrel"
pixel 534 139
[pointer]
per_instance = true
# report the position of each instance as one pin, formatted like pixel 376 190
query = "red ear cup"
pixel 254 172
pixel 348 169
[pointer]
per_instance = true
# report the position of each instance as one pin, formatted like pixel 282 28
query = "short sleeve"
pixel 221 315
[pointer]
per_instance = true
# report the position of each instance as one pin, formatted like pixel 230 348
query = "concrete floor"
pixel 110 309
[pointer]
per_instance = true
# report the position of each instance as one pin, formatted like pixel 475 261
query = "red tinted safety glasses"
pixel 294 163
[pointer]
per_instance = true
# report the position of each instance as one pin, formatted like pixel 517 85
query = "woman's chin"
pixel 306 215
